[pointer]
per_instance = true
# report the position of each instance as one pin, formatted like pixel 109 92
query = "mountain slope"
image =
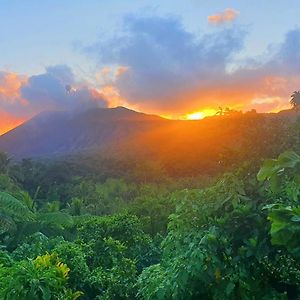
pixel 186 147
pixel 55 133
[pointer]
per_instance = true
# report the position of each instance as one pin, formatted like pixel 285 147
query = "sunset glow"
pixel 175 64
pixel 195 116
pixel 150 150
pixel 198 115
pixel 8 122
pixel 7 127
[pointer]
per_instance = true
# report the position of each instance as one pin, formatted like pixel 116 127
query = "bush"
pixel 44 278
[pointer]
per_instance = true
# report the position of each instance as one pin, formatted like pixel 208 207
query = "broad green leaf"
pixel 269 168
pixel 288 159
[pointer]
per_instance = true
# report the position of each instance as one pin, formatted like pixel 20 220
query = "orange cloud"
pixel 121 70
pixel 265 94
pixel 10 84
pixel 112 95
pixel 23 97
pixel 8 122
pixel 263 89
pixel 228 15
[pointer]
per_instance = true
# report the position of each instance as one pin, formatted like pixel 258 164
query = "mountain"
pixel 60 132
pixel 181 146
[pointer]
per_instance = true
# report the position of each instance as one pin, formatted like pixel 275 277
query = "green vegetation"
pixel 76 231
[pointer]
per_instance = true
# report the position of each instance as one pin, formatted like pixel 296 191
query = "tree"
pixel 4 162
pixel 45 278
pixel 295 100
pixel 20 218
pixel 227 242
pixel 220 112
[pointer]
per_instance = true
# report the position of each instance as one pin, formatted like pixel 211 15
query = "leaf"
pixel 295 218
pixel 253 242
pixel 285 226
pixel 270 206
pixel 6 224
pixel 275 183
pixel 288 159
pixel 13 207
pixel 230 287
pixel 269 168
pixel 56 219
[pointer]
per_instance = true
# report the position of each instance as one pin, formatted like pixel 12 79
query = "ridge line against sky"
pixel 170 58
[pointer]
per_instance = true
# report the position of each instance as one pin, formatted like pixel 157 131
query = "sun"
pixel 195 116
pixel 198 115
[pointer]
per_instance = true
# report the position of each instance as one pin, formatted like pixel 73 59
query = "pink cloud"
pixel 227 16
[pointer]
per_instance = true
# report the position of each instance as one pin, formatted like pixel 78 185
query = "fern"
pixel 12 207
pixel 27 200
pixel 56 219
pixel 6 224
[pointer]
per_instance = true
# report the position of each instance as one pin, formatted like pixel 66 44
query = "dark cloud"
pixel 51 90
pixel 56 89
pixel 170 69
pixel 158 66
pixel 287 58
pixel 62 73
pixel 164 60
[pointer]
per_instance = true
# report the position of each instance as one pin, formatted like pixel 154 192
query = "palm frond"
pixel 7 224
pixel 12 207
pixel 27 200
pixel 55 219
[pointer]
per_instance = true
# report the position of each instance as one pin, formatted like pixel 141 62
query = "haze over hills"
pixel 61 132
pixel 124 130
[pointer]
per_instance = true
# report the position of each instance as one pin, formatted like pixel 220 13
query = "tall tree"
pixel 295 100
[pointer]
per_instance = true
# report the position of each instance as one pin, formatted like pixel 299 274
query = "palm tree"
pixel 76 207
pixel 295 100
pixel 220 112
pixel 20 218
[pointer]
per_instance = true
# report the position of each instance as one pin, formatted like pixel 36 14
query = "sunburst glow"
pixel 198 115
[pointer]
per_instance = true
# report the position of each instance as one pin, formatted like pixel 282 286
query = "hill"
pixel 182 147
pixel 61 132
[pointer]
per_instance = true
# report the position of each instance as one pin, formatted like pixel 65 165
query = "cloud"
pixel 171 71
pixel 10 84
pixel 22 97
pixel 57 89
pixel 157 66
pixel 227 16
pixel 164 62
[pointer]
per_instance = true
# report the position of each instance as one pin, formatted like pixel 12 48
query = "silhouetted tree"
pixel 295 100
pixel 220 112
pixel 226 112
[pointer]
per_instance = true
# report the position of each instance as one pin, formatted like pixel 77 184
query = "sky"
pixel 174 58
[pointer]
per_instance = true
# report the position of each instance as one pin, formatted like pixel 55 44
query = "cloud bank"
pixel 157 66
pixel 22 97
pixel 171 71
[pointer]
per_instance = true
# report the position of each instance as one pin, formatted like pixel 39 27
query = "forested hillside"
pixel 182 148
pixel 219 226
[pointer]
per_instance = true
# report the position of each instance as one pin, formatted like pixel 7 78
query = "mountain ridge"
pixel 59 132
pixel 67 132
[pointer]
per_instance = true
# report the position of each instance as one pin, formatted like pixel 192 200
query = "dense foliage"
pixel 68 231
